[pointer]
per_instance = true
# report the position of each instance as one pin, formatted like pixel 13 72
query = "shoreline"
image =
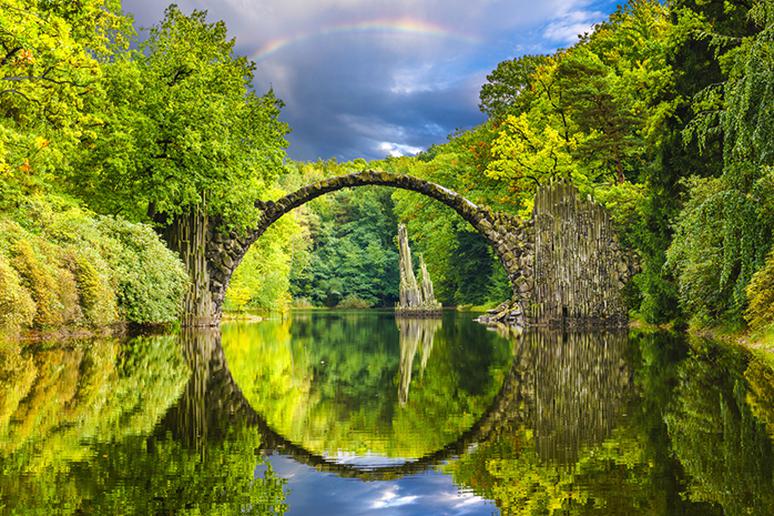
pixel 760 343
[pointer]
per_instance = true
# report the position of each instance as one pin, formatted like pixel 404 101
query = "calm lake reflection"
pixel 359 413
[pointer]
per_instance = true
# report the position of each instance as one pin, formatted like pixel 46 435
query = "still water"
pixel 359 413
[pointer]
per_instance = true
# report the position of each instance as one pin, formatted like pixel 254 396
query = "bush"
pixel 61 265
pixel 760 293
pixel 17 308
pixel 97 298
pixel 353 302
pixel 53 287
pixel 149 279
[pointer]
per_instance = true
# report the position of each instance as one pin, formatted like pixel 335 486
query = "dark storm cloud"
pixel 371 78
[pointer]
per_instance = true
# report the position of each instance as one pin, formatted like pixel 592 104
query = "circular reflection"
pixel 365 389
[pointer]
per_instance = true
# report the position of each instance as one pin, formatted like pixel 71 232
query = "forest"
pixel 110 141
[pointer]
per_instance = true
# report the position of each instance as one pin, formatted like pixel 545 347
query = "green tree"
pixel 738 204
pixel 50 74
pixel 352 254
pixel 186 142
pixel 510 88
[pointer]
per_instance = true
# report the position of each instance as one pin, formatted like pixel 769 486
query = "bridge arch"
pixel 508 235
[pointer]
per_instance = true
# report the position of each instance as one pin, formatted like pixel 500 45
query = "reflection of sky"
pixel 365 460
pixel 309 491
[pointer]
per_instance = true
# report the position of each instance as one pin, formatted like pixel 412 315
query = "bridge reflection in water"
pixel 569 388
pixel 640 425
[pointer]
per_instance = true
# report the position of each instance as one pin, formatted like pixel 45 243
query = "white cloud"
pixel 390 498
pixel 396 150
pixel 569 26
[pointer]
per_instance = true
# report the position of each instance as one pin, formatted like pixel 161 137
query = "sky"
pixel 375 78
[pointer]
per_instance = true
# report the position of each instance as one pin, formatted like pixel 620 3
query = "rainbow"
pixel 396 26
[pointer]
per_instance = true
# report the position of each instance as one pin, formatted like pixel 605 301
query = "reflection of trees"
pixel 77 433
pixel 317 386
pixel 100 388
pixel 723 446
pixel 635 463
pixel 415 334
pixel 560 447
pixel 205 406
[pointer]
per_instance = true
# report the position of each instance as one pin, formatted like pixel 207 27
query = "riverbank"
pixel 760 342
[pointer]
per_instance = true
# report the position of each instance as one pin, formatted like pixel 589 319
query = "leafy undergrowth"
pixel 62 266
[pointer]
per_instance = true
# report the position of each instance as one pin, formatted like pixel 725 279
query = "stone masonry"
pixel 564 264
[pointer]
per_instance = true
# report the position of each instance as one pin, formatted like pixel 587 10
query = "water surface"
pixel 360 413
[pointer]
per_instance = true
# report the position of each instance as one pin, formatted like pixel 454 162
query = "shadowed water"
pixel 357 413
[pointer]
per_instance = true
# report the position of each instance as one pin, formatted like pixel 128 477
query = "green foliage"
pixel 17 308
pixel 79 269
pixel 353 251
pixel 50 69
pixel 509 88
pixel 586 116
pixel 313 378
pixel 730 221
pixel 719 242
pixel 702 412
pixel 353 302
pixel 52 286
pixel 97 299
pixel 168 477
pixel 149 279
pixel 724 449
pixel 262 281
pixel 182 128
pixel 760 292
pixel 461 264
pixel 77 436
pixel 95 390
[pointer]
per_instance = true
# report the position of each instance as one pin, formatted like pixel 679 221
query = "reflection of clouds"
pixel 390 498
pixel 365 460
pixel 309 491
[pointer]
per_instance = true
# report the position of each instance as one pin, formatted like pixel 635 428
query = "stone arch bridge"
pixel 564 264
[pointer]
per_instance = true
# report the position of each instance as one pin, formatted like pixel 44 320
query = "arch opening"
pixel 506 234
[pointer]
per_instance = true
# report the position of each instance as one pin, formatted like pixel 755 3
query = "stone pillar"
pixel 579 268
pixel 410 295
pixel 415 299
pixel 428 297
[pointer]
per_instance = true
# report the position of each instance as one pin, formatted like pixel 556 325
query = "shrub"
pixel 52 287
pixel 17 308
pixel 61 265
pixel 760 293
pixel 97 298
pixel 353 302
pixel 149 279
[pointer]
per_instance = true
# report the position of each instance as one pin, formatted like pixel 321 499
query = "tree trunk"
pixel 187 236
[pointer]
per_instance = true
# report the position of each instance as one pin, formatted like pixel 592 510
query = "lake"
pixel 332 412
